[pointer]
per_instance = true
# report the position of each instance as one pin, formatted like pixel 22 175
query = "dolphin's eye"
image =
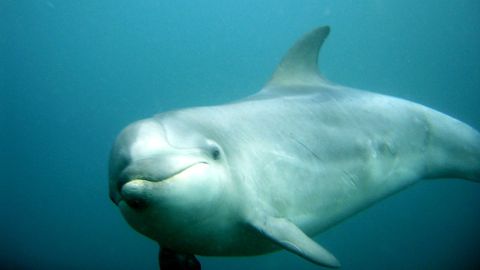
pixel 213 149
pixel 215 152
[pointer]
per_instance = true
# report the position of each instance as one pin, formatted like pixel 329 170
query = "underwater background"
pixel 74 73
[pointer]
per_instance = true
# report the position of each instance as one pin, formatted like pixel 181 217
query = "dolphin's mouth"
pixel 130 174
pixel 135 190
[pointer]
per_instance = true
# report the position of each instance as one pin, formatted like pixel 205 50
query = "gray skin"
pixel 272 170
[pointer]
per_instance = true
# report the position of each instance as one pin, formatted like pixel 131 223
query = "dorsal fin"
pixel 300 65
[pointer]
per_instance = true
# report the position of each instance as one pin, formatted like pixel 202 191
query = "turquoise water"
pixel 73 73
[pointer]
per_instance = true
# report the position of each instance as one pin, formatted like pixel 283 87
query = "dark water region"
pixel 74 73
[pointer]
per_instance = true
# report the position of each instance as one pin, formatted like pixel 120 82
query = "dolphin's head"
pixel 165 177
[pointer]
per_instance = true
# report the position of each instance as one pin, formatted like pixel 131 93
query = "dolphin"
pixel 272 170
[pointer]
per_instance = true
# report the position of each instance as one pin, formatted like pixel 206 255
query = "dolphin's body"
pixel 276 168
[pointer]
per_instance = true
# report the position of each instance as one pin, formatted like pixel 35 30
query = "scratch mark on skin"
pixel 351 178
pixel 307 148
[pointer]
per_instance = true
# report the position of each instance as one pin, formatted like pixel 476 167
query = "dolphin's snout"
pixel 135 193
pixel 135 156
